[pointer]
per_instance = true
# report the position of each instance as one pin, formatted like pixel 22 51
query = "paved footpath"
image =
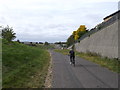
pixel 85 74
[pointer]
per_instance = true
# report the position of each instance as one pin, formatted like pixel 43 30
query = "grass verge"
pixel 111 64
pixel 63 51
pixel 23 66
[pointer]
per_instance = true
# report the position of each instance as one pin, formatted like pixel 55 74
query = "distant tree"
pixel 76 35
pixel 46 43
pixel 63 42
pixel 18 41
pixel 58 42
pixel 70 41
pixel 81 33
pixel 8 34
pixel 31 44
pixel 40 42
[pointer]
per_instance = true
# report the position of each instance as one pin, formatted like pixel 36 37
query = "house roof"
pixel 111 14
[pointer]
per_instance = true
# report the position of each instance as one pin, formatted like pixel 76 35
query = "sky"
pixel 52 20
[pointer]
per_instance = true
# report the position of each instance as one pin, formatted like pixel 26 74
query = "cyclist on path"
pixel 72 57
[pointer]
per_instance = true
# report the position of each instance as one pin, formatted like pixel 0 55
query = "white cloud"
pixel 52 20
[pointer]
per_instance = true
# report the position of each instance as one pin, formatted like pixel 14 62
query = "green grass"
pixel 23 66
pixel 111 64
pixel 63 51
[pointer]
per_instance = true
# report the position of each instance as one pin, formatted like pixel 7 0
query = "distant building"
pixel 112 15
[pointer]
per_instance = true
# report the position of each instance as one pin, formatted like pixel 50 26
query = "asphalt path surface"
pixel 85 74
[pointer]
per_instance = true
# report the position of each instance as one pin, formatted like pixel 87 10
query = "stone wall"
pixel 103 42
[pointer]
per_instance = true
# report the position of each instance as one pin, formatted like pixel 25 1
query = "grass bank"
pixel 111 64
pixel 23 66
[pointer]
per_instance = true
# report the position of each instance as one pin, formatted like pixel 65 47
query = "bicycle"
pixel 72 60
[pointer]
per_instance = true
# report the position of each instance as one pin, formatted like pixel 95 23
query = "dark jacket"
pixel 72 53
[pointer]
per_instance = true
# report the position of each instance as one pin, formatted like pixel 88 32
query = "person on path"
pixel 72 56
